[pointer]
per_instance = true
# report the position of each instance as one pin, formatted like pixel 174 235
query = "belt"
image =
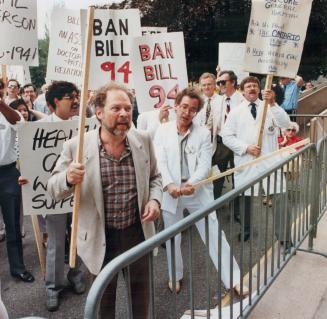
pixel 8 166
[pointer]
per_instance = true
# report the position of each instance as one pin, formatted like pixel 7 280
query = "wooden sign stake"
pixel 82 115
pixel 269 79
pixel 39 243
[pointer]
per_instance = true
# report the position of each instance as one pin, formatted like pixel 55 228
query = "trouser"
pixel 282 223
pixel 55 261
pixel 117 242
pixel 10 200
pixel 192 204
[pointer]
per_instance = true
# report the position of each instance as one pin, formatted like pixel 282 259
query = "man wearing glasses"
pixel 63 97
pixel 183 151
pixel 12 91
pixel 231 98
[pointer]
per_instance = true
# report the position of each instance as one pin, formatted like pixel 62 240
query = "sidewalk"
pixel 300 291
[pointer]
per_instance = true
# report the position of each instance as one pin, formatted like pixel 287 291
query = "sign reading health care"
pixel 276 36
pixel 159 67
pixel 40 145
pixel 18 25
pixel 113 32
pixel 65 49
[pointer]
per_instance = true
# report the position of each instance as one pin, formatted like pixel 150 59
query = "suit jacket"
pixel 91 241
pixel 198 151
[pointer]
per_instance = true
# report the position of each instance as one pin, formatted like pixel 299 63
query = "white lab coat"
pixel 169 162
pixel 241 130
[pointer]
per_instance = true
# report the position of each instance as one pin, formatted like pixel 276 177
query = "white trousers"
pixel 192 204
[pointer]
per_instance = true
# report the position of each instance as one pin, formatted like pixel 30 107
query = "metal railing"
pixel 286 202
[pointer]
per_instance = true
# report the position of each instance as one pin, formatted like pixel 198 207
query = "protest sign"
pixel 113 32
pixel 159 65
pixel 153 30
pixel 18 25
pixel 231 57
pixel 65 48
pixel 20 73
pixel 40 145
pixel 276 35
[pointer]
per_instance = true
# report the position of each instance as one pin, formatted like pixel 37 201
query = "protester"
pixel 27 113
pixel 240 135
pixel 120 175
pixel 231 98
pixel 29 94
pixel 40 104
pixel 183 151
pixel 292 90
pixel 289 136
pixel 64 99
pixel 212 101
pixel 12 91
pixel 10 192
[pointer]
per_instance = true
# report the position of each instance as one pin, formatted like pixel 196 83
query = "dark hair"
pixel 57 90
pixel 191 93
pixel 100 97
pixel 14 80
pixel 2 84
pixel 249 79
pixel 27 85
pixel 232 76
pixel 18 102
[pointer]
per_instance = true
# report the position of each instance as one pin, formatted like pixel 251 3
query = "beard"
pixel 115 131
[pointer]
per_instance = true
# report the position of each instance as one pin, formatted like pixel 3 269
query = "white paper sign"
pixel 276 36
pixel 40 145
pixel 153 30
pixel 18 25
pixel 65 48
pixel 113 32
pixel 19 72
pixel 160 71
pixel 231 57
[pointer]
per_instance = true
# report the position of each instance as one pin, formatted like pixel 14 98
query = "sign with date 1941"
pixel 18 25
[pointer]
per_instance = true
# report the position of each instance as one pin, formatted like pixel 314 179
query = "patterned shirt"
pixel 119 188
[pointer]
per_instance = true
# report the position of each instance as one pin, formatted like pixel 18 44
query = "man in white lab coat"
pixel 183 151
pixel 240 135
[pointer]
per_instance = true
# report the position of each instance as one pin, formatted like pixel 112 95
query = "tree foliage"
pixel 206 23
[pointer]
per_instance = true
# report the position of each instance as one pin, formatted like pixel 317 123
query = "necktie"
pixel 253 110
pixel 208 110
pixel 227 107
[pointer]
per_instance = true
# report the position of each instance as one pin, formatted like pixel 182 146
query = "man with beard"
pixel 240 134
pixel 64 99
pixel 120 194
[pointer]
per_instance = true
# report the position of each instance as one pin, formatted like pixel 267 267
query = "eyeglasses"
pixel 222 82
pixel 186 109
pixel 12 86
pixel 71 97
pixel 291 130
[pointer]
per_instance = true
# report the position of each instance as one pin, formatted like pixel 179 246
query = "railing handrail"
pixel 144 248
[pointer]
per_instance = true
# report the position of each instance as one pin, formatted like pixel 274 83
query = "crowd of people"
pixel 138 170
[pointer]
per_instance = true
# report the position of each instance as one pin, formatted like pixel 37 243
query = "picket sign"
pixel 82 116
pixel 275 41
pixel 4 73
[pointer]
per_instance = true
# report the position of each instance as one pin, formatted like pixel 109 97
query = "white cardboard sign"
pixel 231 57
pixel 159 66
pixel 153 30
pixel 276 36
pixel 113 33
pixel 18 25
pixel 40 145
pixel 65 48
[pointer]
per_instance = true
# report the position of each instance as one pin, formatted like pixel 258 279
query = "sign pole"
pixel 4 73
pixel 39 243
pixel 263 116
pixel 82 115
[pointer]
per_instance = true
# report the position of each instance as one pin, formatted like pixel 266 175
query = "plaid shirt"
pixel 119 188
